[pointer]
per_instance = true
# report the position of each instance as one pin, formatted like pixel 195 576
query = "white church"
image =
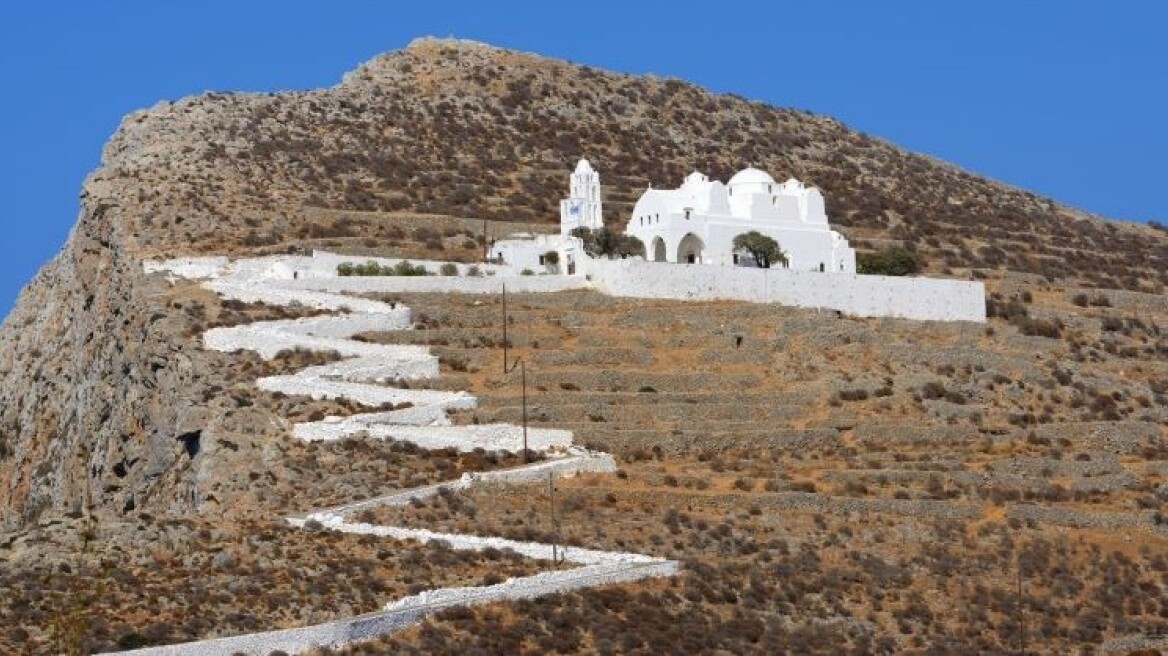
pixel 697 223
pixel 694 224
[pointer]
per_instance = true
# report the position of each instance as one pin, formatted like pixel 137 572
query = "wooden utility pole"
pixel 505 366
pixel 1021 613
pixel 486 243
pixel 523 383
pixel 555 524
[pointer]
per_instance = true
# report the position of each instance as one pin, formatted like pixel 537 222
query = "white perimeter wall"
pixel 931 299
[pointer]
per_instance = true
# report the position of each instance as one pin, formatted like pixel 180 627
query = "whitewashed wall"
pixel 861 295
pixel 411 610
pixel 324 264
pixel 930 299
pixel 435 284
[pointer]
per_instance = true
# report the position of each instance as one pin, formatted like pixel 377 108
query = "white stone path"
pixel 362 377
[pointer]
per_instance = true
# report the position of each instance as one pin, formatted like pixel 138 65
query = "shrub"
pixel 853 395
pixel 932 390
pixel 895 261
pixel 1112 324
pixel 448 269
pixel 527 272
pixel 404 268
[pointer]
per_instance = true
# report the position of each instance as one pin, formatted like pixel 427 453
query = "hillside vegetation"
pixel 869 486
pixel 464 129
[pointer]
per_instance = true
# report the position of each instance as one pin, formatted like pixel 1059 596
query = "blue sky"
pixel 1068 99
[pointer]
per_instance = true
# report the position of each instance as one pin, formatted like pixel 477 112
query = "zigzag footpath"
pixel 364 376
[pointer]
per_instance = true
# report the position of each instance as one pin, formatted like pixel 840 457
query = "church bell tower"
pixel 582 208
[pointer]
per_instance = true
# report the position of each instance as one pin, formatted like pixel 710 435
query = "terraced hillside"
pixel 858 483
pixel 636 374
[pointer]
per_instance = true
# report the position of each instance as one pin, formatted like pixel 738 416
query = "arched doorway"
pixel 691 250
pixel 658 246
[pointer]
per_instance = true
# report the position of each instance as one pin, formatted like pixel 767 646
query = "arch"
pixel 691 249
pixel 658 246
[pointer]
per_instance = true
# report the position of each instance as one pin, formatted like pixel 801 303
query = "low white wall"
pixel 251 291
pixel 362 393
pixel 861 295
pixel 434 284
pixel 279 280
pixel 571 465
pixel 188 267
pixel 411 610
pixel 268 339
pixel 491 437
pixel 324 264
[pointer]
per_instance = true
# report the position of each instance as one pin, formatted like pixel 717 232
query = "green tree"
pixel 551 261
pixel 894 261
pixel 763 249
pixel 606 243
pixel 629 246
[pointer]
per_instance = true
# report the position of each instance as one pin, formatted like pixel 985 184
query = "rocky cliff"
pixel 106 399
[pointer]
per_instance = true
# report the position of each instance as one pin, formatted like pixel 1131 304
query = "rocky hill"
pixel 110 406
pixel 93 382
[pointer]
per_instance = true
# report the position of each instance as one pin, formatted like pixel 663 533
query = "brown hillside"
pixel 464 129
pixel 862 485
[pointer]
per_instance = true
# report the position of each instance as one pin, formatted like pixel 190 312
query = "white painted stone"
pixel 930 299
pixel 697 222
pixel 435 284
pixel 492 437
pixel 193 268
pixel 363 393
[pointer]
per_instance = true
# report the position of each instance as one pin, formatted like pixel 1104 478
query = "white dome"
pixel 750 175
pixel 583 167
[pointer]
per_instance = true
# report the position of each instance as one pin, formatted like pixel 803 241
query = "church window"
pixel 736 258
pixel 541 259
pixel 687 211
pixel 770 189
pixel 821 267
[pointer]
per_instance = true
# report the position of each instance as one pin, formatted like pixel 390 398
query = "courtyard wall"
pixel 931 299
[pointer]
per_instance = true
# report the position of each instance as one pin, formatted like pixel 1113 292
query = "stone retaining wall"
pixel 860 295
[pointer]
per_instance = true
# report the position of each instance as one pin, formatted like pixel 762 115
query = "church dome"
pixel 750 175
pixel 583 166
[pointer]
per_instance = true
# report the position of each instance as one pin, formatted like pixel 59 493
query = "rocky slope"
pixel 107 400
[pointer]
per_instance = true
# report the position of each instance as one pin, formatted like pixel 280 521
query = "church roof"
pixel 583 167
pixel 750 175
